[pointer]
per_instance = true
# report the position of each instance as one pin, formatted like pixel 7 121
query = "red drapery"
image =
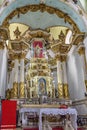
pixel 8 118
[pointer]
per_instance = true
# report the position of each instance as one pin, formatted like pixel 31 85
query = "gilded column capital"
pixel 22 55
pixel 81 50
pixel 58 57
pixel 11 64
pixel 1 45
pixel 61 57
pixel 16 56
pixel 4 33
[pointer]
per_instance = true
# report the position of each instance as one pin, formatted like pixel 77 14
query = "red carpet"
pixel 31 129
pixel 57 128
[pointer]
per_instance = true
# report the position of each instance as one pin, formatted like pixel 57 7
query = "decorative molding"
pixel 81 50
pixel 4 33
pixel 61 57
pixel 79 102
pixel 78 38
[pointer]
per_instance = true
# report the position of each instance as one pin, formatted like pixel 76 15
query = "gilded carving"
pixel 4 33
pixel 78 38
pixel 61 58
pixel 22 55
pixel 12 93
pixel 60 90
pixel 17 33
pixel 66 91
pixel 81 50
pixel 52 61
pixel 61 48
pixel 15 90
pixel 19 45
pixel 21 90
pixel 1 45
pixel 8 94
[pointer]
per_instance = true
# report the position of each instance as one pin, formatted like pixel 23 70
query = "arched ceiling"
pixel 37 16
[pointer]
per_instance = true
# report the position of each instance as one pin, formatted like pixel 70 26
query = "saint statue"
pixel 37 51
pixel 42 87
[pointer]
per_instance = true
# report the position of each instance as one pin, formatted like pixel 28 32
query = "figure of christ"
pixel 38 51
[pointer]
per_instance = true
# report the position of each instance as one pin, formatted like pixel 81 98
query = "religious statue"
pixel 42 86
pixel 37 51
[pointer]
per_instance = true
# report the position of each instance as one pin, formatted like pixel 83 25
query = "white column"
pixel 15 80
pixel 60 77
pixel 22 70
pixel 22 88
pixel 65 84
pixel 3 70
pixel 81 51
pixel 11 78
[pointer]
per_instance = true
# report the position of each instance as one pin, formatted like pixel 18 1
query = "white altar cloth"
pixel 54 111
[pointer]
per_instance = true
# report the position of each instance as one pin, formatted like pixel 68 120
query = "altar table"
pixel 54 111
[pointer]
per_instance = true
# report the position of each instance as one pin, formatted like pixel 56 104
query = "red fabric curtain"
pixel 8 118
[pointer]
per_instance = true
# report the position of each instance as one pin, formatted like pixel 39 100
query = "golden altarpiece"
pixel 40 80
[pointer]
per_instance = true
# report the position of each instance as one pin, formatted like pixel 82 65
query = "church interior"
pixel 43 63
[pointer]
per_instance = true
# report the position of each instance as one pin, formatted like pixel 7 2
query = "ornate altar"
pixel 39 74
